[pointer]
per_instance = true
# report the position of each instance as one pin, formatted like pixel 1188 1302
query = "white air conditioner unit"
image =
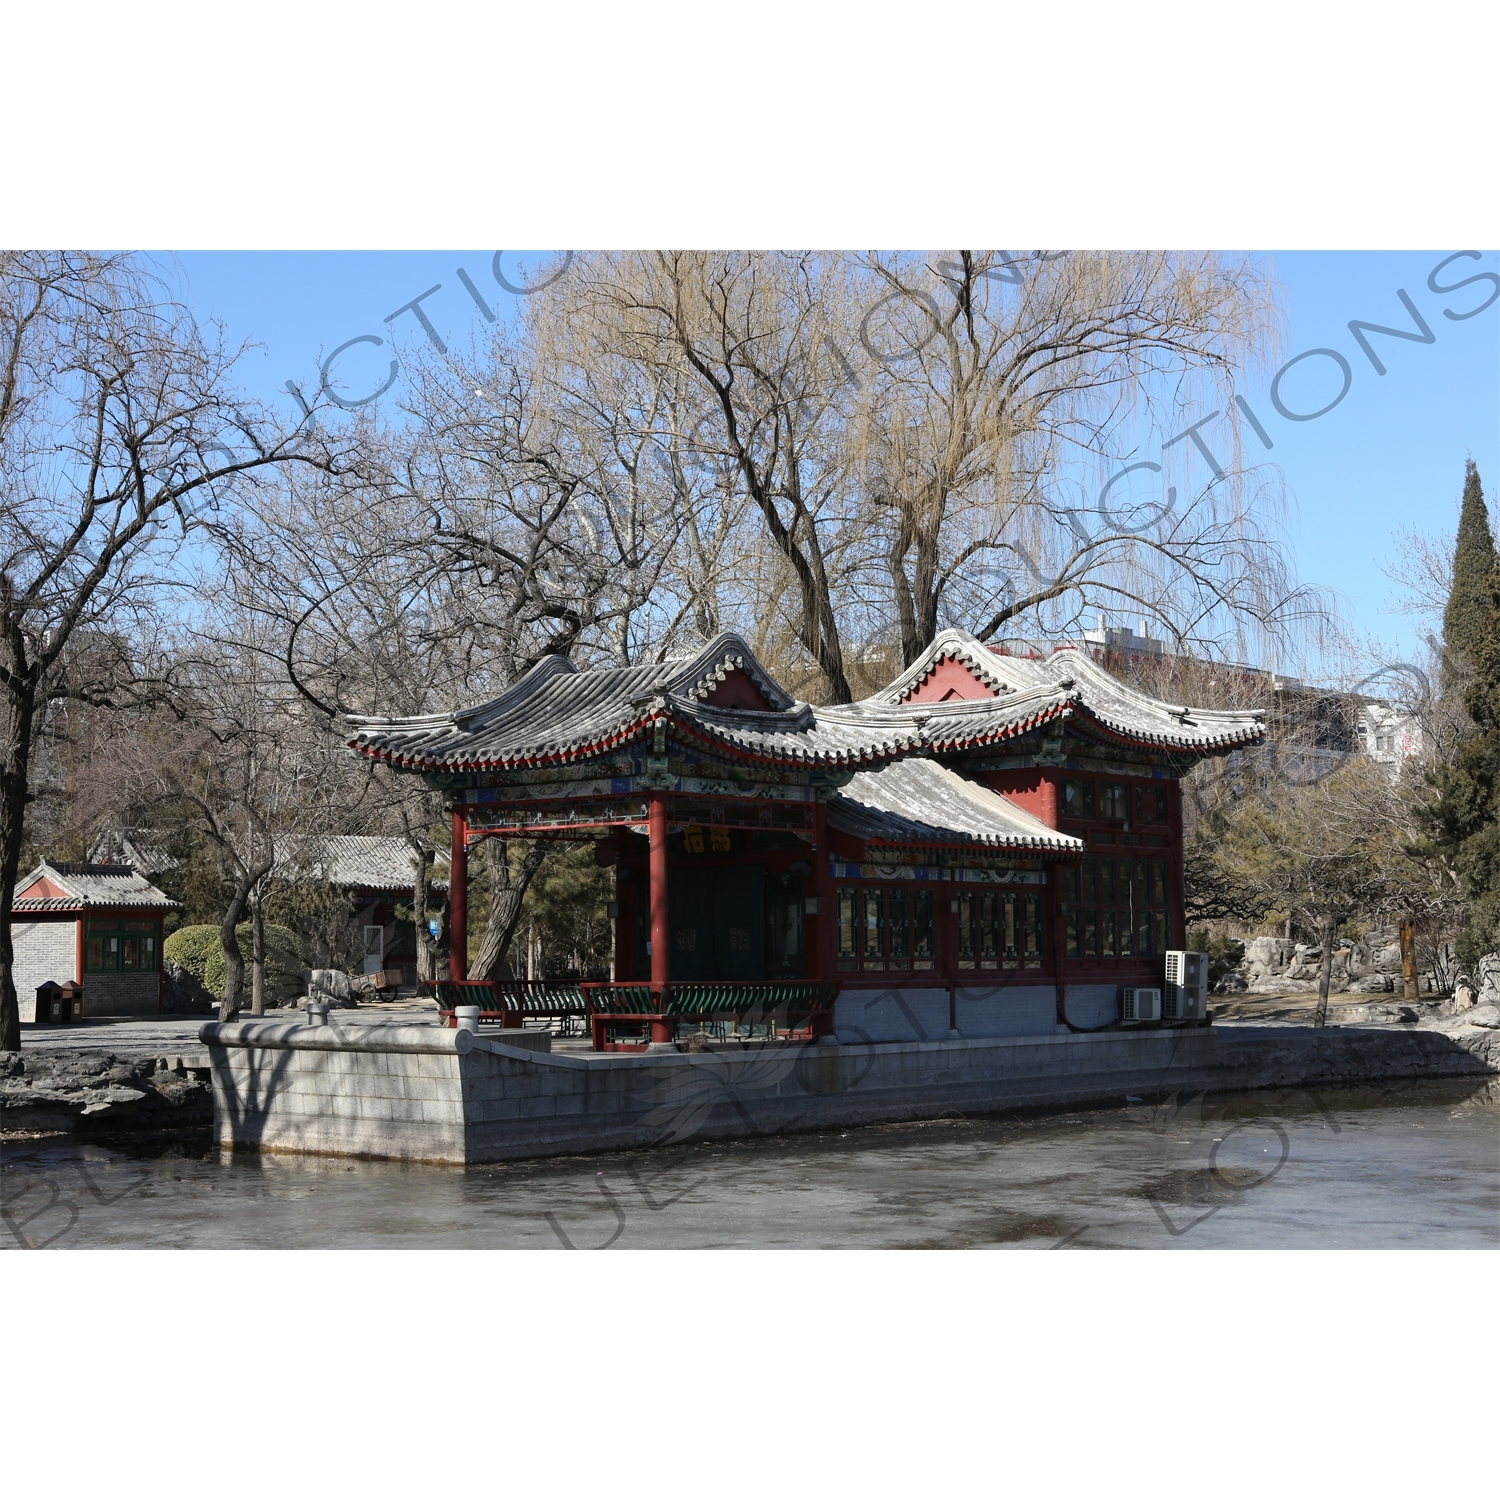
pixel 1139 1005
pixel 1186 997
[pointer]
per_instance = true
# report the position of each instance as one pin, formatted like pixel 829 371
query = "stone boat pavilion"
pixel 990 846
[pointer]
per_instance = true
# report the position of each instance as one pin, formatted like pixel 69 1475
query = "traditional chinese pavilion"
pixel 991 845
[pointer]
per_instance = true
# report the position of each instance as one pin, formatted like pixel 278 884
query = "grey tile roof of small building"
pixel 137 847
pixel 369 862
pixel 557 713
pixel 1069 682
pixel 90 885
pixel 921 804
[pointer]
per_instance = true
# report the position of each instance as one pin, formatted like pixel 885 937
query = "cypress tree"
pixel 1473 557
pixel 1463 819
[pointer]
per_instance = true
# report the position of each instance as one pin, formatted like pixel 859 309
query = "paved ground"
pixel 1297 1009
pixel 177 1036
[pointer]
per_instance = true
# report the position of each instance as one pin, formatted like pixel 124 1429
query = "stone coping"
pixel 441 1041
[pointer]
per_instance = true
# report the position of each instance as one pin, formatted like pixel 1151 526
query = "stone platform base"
pixel 421 1093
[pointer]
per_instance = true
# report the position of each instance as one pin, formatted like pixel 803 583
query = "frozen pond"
pixel 1409 1165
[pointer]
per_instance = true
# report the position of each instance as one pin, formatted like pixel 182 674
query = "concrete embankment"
pixel 424 1094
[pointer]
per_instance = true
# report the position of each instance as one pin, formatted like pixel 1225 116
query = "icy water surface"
pixel 1410 1165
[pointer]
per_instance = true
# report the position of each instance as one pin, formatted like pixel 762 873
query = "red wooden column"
pixel 1048 813
pixel 819 939
pixel 661 970
pixel 1177 903
pixel 1052 904
pixel 458 899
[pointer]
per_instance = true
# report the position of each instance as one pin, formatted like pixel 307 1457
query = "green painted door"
pixel 718 919
pixel 739 923
pixel 690 906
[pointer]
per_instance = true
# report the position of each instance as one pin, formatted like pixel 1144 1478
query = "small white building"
pixel 1388 735
pixel 99 925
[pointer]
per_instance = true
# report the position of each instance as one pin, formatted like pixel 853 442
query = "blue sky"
pixel 1389 456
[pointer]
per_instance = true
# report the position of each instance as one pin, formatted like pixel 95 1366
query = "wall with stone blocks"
pixel 425 1094
pixel 1092 1004
pixel 921 1015
pixel 891 1015
pixel 357 1102
pixel 1007 1010
pixel 44 950
pixel 121 994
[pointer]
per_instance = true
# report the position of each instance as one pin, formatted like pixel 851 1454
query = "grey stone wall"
pixel 44 950
pixel 121 994
pixel 1094 1004
pixel 921 1015
pixel 1020 1010
pixel 406 1106
pixel 425 1094
pixel 891 1015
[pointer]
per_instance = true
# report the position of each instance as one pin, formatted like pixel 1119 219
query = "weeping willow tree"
pixel 862 450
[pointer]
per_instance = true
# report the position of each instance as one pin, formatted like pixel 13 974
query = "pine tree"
pixel 1463 819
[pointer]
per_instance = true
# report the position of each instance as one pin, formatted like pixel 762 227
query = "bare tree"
pixel 244 757
pixel 118 426
pixel 907 433
pixel 1327 851
pixel 508 885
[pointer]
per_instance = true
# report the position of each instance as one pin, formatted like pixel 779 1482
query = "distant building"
pixel 96 924
pixel 1386 734
pixel 376 874
pixel 1320 727
pixel 140 848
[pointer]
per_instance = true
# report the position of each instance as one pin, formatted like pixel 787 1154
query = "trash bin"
pixel 59 1004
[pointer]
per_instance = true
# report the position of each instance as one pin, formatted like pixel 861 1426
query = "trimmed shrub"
pixel 197 950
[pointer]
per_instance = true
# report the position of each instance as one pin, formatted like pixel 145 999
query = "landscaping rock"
pixel 1487 979
pixel 331 985
pixel 1268 953
pixel 1484 1015
pixel 92 1092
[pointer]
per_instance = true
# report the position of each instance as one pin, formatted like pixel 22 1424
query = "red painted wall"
pixel 738 691
pixel 947 680
pixel 1033 790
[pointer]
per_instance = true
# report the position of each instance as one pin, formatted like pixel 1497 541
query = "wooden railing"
pixel 623 1014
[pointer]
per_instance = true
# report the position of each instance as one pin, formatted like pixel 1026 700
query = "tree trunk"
pixel 229 943
pixel 1326 926
pixel 432 952
pixel 1408 959
pixel 257 956
pixel 17 707
pixel 506 892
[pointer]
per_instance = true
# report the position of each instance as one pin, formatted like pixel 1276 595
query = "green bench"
pixel 633 1008
pixel 616 1009
pixel 511 1001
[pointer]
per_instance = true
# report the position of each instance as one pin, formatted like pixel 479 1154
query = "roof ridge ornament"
pixel 948 645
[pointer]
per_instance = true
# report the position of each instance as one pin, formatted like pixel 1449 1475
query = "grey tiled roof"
pixel 557 713
pixel 371 862
pixel 1067 681
pixel 138 847
pixel 90 885
pixel 920 804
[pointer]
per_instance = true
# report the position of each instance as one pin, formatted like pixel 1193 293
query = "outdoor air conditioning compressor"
pixel 1186 997
pixel 1138 1005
